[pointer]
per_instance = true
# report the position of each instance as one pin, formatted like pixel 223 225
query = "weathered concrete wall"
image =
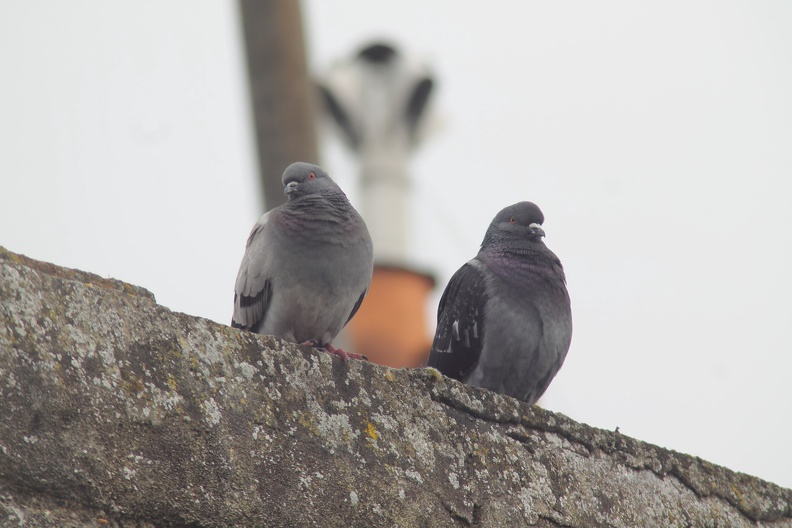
pixel 118 412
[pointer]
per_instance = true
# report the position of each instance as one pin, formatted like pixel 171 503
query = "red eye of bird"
pixel 512 220
pixel 311 176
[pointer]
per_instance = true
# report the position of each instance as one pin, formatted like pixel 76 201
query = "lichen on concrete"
pixel 119 412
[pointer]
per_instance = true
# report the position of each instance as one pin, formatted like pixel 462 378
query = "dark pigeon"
pixel 307 264
pixel 504 321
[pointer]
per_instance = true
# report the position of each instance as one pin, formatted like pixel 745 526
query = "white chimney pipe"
pixel 377 99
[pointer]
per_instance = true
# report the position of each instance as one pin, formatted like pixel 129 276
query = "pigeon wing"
pixel 253 289
pixel 356 307
pixel 460 323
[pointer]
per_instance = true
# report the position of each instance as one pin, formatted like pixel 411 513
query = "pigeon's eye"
pixel 512 220
pixel 311 176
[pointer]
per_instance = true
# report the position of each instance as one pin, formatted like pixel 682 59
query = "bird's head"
pixel 522 220
pixel 300 179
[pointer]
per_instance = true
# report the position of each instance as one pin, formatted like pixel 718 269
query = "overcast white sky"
pixel 657 138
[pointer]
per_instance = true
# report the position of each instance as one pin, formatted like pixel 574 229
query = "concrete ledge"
pixel 118 412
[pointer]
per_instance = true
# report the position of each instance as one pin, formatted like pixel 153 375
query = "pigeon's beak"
pixel 536 230
pixel 290 188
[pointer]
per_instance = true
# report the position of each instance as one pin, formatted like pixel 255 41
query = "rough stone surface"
pixel 118 412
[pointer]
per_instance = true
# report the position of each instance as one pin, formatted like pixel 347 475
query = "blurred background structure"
pixel 655 137
pixel 378 99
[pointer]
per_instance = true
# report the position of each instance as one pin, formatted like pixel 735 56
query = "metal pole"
pixel 280 89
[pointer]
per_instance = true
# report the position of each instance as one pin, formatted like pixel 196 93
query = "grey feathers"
pixel 504 321
pixel 307 264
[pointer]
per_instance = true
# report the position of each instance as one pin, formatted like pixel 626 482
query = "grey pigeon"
pixel 307 264
pixel 504 321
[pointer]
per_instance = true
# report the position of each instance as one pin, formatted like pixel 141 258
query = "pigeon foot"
pixel 344 355
pixel 336 351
